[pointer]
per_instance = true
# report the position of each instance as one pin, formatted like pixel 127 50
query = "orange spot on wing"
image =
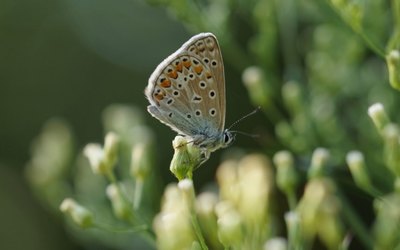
pixel 187 64
pixel 159 97
pixel 208 75
pixel 198 69
pixel 165 83
pixel 173 74
pixel 179 67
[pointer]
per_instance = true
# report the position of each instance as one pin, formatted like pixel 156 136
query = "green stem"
pixel 359 31
pixel 137 196
pixel 197 230
pixel 355 223
pixel 136 221
pixel 292 200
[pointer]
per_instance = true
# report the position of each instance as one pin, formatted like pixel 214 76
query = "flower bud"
pixel 277 243
pixel 254 80
pixel 121 119
pixel 187 157
pixel 142 154
pixel 393 63
pixel 319 160
pixel 292 96
pixel 386 225
pixel 229 225
pixel 255 184
pixel 292 220
pixel 319 206
pixel 51 154
pixel 227 178
pixel 95 155
pixel 121 207
pixel 79 214
pixel 111 142
pixel 172 225
pixel 356 163
pixel 286 176
pixel 391 134
pixel 378 116
pixel 205 207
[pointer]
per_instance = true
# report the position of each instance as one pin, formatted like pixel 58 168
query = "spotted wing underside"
pixel 187 90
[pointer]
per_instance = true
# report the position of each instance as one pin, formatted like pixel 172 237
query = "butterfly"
pixel 187 92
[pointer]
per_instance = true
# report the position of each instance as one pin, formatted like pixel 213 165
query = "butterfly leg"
pixel 204 156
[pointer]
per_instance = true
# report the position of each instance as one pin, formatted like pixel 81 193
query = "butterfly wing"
pixel 187 90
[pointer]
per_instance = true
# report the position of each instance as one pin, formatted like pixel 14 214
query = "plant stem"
pixel 355 223
pixel 197 230
pixel 359 31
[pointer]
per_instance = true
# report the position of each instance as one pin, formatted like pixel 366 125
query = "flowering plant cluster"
pixel 326 75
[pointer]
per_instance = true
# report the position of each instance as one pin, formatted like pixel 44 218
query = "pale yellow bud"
pixel 319 160
pixel 121 207
pixel 255 182
pixel 227 178
pixel 79 214
pixel 355 161
pixel 378 116
pixel 95 155
pixel 229 225
pixel 277 243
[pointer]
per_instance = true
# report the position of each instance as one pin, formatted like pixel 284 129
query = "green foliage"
pixel 314 67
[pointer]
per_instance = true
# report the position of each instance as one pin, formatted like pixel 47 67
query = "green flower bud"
pixel 391 134
pixel 229 225
pixel 121 207
pixel 319 160
pixel 386 225
pixel 378 116
pixel 356 163
pixel 141 161
pixel 254 80
pixel 111 143
pixel 79 214
pixel 292 96
pixel 205 207
pixel 286 176
pixel 187 158
pixel 393 64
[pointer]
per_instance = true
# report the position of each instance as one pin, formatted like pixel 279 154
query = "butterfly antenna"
pixel 246 134
pixel 244 117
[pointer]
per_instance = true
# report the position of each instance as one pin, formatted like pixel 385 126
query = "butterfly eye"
pixel 227 138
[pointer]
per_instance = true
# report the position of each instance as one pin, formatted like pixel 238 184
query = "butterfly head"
pixel 227 138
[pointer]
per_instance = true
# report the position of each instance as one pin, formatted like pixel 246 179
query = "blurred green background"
pixel 71 59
